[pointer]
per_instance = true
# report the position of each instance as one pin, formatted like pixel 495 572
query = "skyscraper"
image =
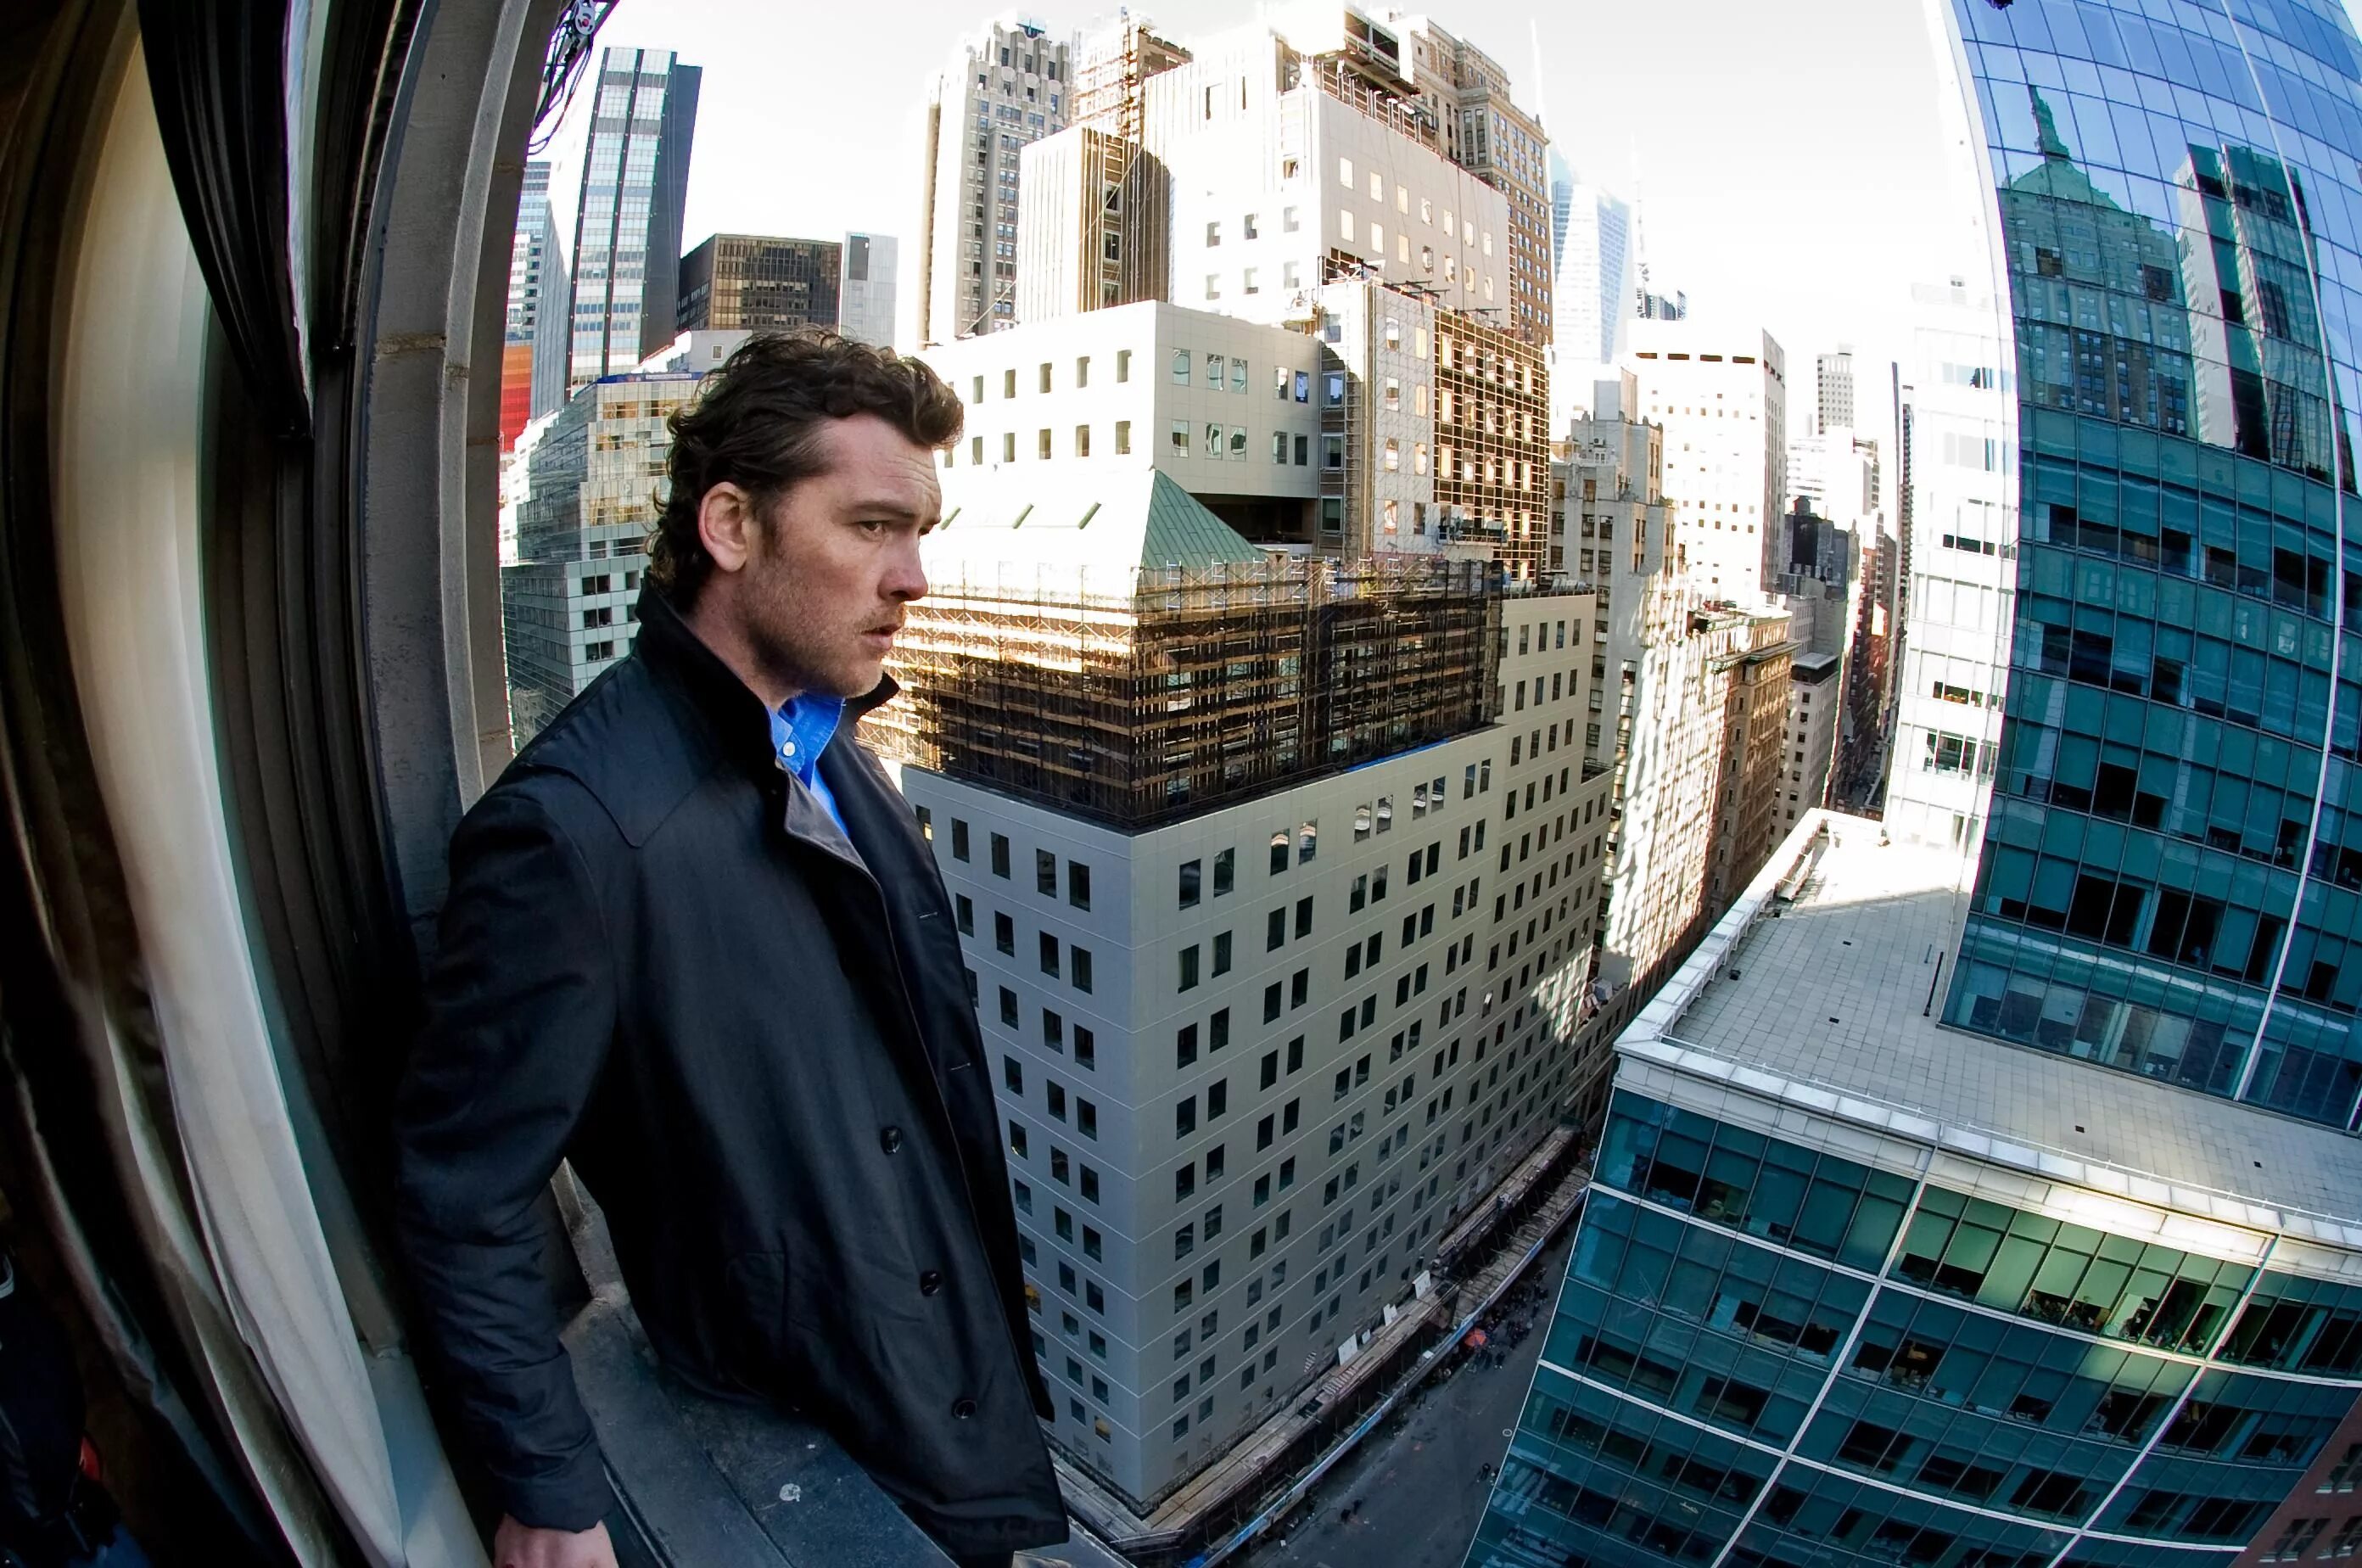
pixel 757 283
pixel 1486 133
pixel 2169 884
pixel 1005 88
pixel 1722 397
pixel 866 288
pixel 1986 1190
pixel 1591 299
pixel 1252 790
pixel 537 313
pixel 628 222
pixel 1833 391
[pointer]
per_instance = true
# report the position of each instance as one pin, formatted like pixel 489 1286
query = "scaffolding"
pixel 1110 78
pixel 1493 418
pixel 1178 690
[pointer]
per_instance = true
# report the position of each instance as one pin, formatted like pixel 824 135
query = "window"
pixel 1122 437
pixel 1189 967
pixel 1345 172
pixel 999 855
pixel 959 839
pixel 1223 953
pixel 1078 963
pixel 1078 885
pixel 1082 441
pixel 1004 935
pixel 1225 871
pixel 1178 439
pixel 1045 873
pixel 1012 1074
pixel 1081 370
pixel 1124 364
pixel 1180 366
pixel 1086 1048
pixel 1049 954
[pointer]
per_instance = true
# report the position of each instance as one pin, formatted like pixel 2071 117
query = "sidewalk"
pixel 1219 1498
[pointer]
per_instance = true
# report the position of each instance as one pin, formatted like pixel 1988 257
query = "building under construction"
pixel 1112 65
pixel 1200 670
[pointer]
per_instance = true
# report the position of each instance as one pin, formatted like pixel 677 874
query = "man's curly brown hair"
pixel 758 422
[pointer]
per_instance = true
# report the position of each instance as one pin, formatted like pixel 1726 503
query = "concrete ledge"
pixel 701 1481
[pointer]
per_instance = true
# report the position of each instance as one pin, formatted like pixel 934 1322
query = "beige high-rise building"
pixel 1094 222
pixel 1722 396
pixel 1750 673
pixel 1689 705
pixel 1112 65
pixel 1486 133
pixel 1005 88
pixel 1815 695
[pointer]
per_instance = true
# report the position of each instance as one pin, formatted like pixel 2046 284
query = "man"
pixel 696 943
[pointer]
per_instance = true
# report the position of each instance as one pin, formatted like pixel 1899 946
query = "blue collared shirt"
pixel 800 730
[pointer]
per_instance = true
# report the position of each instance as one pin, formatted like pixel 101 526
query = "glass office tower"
pixel 1853 1286
pixel 1984 1190
pixel 2173 854
pixel 627 222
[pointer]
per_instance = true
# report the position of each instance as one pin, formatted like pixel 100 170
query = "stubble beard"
pixel 787 631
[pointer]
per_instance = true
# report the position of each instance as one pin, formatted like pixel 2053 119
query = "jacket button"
pixel 889 1138
pixel 930 1282
pixel 963 1408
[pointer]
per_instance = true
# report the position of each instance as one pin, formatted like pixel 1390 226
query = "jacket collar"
pixel 740 724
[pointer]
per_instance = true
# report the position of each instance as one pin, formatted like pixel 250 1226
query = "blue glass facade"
pixel 626 288
pixel 2173 856
pixel 1769 1354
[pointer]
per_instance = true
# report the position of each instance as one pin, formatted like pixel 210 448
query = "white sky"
pixel 1788 157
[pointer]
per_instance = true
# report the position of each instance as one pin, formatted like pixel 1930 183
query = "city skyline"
pixel 1840 176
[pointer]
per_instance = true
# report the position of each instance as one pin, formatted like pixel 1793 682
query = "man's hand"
pixel 524 1546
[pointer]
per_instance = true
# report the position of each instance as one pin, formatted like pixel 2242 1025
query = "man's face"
pixel 836 559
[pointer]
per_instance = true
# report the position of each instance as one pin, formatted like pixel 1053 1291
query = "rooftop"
pixel 1081 529
pixel 1814 990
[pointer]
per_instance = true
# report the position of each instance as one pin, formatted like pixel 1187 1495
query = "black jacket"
pixel 657 960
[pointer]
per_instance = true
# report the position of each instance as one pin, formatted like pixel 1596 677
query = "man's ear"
pixel 726 523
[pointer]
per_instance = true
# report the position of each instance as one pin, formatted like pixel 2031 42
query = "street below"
pixel 1415 1487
